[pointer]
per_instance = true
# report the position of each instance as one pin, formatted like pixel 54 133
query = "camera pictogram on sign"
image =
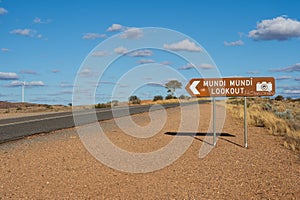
pixel 264 86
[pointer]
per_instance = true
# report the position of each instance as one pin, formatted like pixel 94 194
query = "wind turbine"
pixel 23 91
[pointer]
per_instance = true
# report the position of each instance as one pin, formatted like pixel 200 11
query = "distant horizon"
pixel 217 98
pixel 44 44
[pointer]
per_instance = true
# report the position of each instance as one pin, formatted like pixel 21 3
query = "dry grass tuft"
pixel 279 117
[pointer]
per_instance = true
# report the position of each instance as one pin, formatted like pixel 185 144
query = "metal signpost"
pixel 245 124
pixel 214 122
pixel 231 87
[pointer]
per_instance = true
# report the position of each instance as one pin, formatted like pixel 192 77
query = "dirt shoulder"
pixel 15 110
pixel 57 166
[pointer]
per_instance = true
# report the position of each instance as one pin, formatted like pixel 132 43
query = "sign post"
pixel 245 124
pixel 231 87
pixel 214 122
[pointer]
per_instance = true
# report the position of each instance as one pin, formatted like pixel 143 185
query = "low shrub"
pixel 134 100
pixel 102 105
pixel 158 97
pixel 169 96
pixel 276 117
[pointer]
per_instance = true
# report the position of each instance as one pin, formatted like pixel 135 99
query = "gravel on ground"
pixel 58 166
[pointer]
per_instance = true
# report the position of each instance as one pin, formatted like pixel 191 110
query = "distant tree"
pixel 169 96
pixel 102 105
pixel 182 97
pixel 134 100
pixel 279 98
pixel 114 102
pixel 158 97
pixel 69 104
pixel 172 86
pixel 289 98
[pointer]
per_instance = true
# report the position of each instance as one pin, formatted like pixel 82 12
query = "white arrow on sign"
pixel 193 87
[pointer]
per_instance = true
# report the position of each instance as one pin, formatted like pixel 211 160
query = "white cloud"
pixel 206 66
pixel 288 87
pixel 3 11
pixel 241 34
pixel 92 36
pixel 137 53
pixel 115 27
pixel 38 20
pixel 100 53
pixel 132 33
pixel 279 28
pixel 145 61
pixel 26 71
pixel 148 78
pixel 55 71
pixel 291 92
pixel 235 43
pixel 4 49
pixel 35 83
pixel 63 92
pixel 39 36
pixel 31 84
pixel 24 32
pixel 253 72
pixel 166 63
pixel 187 66
pixel 283 78
pixel 85 72
pixel 156 84
pixel 66 85
pixel 282 86
pixel 66 92
pixel 292 68
pixel 184 45
pixel 8 76
pixel 141 53
pixel 120 50
pixel 106 83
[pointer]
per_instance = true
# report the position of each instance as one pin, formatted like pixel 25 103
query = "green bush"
pixel 102 105
pixel 134 100
pixel 279 98
pixel 114 103
pixel 158 97
pixel 169 96
pixel 49 106
pixel 183 97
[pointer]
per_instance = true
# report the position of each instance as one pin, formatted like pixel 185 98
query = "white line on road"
pixel 57 117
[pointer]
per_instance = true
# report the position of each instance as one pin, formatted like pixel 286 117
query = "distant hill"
pixel 18 107
pixel 5 105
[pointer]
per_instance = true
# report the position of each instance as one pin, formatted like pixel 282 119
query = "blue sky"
pixel 44 43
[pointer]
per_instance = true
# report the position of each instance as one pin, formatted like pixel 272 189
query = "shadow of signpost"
pixel 232 142
pixel 220 135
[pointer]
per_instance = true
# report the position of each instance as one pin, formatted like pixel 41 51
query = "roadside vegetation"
pixel 280 116
pixel 108 104
pixel 11 108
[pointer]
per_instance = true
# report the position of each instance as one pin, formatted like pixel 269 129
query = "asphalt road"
pixel 17 128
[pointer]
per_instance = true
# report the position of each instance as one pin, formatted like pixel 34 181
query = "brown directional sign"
pixel 231 87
